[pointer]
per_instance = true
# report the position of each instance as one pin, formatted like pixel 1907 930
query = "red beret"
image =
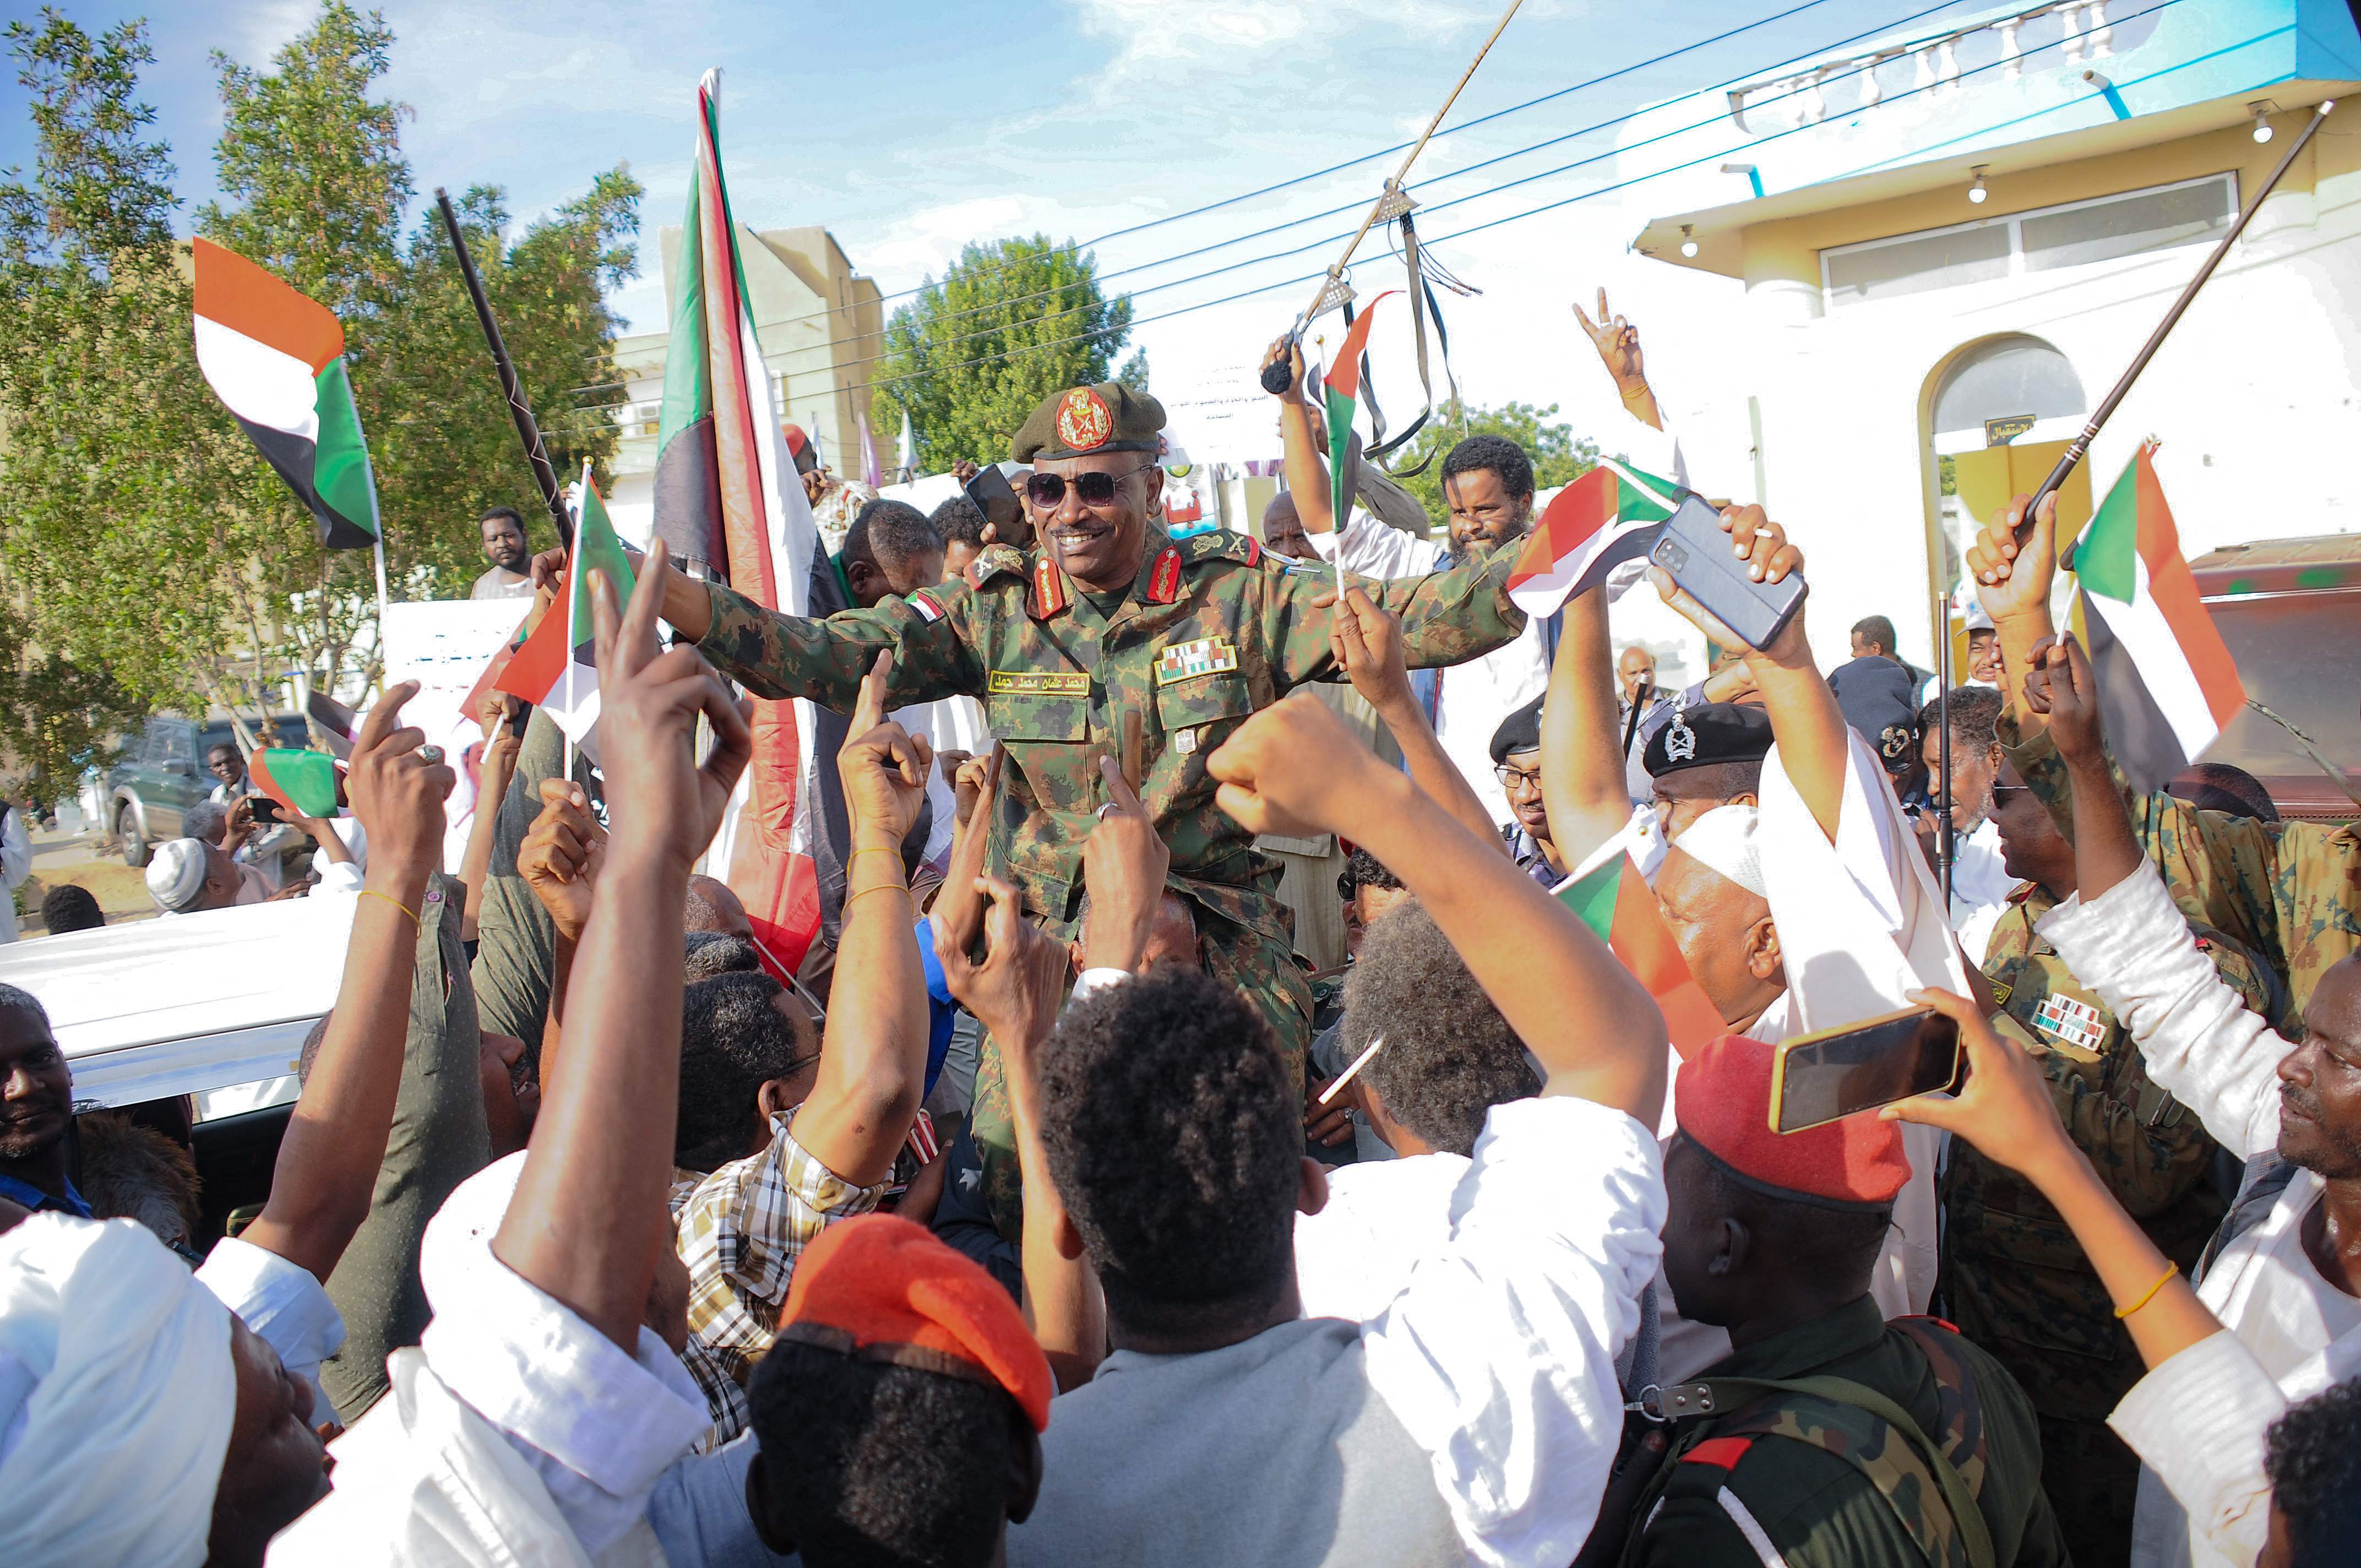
pixel 880 1289
pixel 1722 1100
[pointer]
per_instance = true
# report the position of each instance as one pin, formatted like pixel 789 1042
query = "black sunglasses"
pixel 1048 490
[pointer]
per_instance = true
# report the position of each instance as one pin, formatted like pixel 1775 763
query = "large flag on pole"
pixel 1606 518
pixel 727 497
pixel 2168 686
pixel 1617 904
pixel 276 359
pixel 557 668
pixel 870 472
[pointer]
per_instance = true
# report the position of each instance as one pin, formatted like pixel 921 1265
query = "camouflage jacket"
pixel 2288 890
pixel 1206 635
pixel 2013 1277
pixel 1829 1486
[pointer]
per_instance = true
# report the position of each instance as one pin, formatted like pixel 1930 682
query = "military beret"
pixel 1722 1101
pixel 1875 693
pixel 1109 417
pixel 1521 732
pixel 1707 734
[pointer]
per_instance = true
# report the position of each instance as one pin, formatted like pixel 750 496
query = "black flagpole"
pixel 2080 444
pixel 528 432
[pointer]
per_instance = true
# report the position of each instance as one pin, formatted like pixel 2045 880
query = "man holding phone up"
pixel 1106 627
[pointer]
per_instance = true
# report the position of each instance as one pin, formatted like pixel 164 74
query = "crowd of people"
pixel 1222 1119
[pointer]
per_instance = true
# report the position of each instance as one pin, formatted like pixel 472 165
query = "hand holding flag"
pixel 1342 390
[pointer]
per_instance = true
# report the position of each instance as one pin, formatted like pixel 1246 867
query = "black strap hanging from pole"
pixel 1421 305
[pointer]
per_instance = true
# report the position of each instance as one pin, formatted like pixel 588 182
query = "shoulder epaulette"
pixel 1219 544
pixel 996 561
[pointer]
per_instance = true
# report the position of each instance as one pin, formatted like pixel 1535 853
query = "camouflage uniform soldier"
pixel 2014 1278
pixel 1106 620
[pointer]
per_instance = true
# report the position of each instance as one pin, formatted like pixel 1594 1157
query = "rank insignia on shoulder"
pixel 995 560
pixel 1050 596
pixel 1186 661
pixel 1164 584
pixel 2069 1022
pixel 1038 683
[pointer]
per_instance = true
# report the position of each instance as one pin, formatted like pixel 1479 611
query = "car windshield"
pixel 289 731
pixel 2296 656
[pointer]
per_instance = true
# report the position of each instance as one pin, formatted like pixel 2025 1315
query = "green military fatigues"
pixel 1818 1508
pixel 2288 890
pixel 2015 1279
pixel 1204 637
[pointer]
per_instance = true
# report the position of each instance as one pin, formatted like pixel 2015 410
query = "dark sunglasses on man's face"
pixel 1048 490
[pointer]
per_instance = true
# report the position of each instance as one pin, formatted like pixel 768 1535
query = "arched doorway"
pixel 1998 414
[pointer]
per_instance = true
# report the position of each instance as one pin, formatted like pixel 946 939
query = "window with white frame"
pixel 2188 212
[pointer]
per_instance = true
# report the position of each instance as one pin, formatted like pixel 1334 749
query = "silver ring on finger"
pixel 1109 805
pixel 430 755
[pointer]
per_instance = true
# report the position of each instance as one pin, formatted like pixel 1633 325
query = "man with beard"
pixel 504 546
pixel 2015 1279
pixel 1109 629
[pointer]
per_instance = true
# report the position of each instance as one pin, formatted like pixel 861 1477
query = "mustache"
pixel 2302 1101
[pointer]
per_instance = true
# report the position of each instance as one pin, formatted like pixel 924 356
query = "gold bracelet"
pixel 372 893
pixel 881 887
pixel 2170 1269
pixel 875 849
pixel 1644 392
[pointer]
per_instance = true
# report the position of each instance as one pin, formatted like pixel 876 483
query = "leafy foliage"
pixel 1559 457
pixel 148 555
pixel 975 353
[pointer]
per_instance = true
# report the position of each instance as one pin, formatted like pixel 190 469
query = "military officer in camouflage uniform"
pixel 2014 1278
pixel 1107 622
pixel 1829 1437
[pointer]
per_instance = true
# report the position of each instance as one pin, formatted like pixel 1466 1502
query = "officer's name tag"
pixel 1186 661
pixel 1039 683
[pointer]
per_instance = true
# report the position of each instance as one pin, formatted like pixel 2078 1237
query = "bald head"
pixel 1726 934
pixel 711 906
pixel 1282 530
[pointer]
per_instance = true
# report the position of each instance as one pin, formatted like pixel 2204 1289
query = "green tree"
pixel 975 353
pixel 1559 457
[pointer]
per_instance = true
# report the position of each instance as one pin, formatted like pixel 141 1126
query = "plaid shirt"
pixel 741 1230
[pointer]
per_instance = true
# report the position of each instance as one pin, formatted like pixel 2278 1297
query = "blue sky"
pixel 910 128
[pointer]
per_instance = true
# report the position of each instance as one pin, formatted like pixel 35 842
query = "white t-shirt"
pixel 1353 1256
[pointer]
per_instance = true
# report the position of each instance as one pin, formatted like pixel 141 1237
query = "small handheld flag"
pixel 301 781
pixel 1607 517
pixel 1617 904
pixel 276 360
pixel 1341 392
pixel 2167 686
pixel 557 668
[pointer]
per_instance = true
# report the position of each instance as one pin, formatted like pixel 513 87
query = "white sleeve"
pixel 282 1303
pixel 16 849
pixel 2202 1044
pixel 2198 1420
pixel 1498 1358
pixel 1369 548
pixel 1091 980
pixel 339 876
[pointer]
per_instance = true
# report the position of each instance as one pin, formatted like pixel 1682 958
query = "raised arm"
pixel 560 859
pixel 2060 686
pixel 873 1065
pixel 1805 718
pixel 1367 643
pixel 2013 585
pixel 1617 342
pixel 1306 466
pixel 586 1222
pixel 497 768
pixel 336 1136
pixel 1295 768
pixel 1584 785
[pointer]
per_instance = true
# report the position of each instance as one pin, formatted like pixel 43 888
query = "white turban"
pixel 1724 838
pixel 176 874
pixel 117 1392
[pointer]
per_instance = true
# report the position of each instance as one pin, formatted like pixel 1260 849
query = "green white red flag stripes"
pixel 728 502
pixel 557 668
pixel 1617 904
pixel 2168 686
pixel 1341 391
pixel 276 359
pixel 299 780
pixel 1606 518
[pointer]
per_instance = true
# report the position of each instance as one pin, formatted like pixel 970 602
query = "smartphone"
pixel 1695 551
pixel 991 492
pixel 1832 1073
pixel 264 809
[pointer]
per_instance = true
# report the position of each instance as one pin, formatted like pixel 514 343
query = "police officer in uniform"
pixel 2014 1278
pixel 1829 1437
pixel 1107 622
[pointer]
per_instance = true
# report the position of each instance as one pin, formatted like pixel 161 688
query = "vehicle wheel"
pixel 126 830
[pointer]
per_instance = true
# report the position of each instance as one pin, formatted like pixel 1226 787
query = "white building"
pixel 1951 244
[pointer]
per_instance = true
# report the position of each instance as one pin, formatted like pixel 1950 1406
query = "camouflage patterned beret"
pixel 1109 417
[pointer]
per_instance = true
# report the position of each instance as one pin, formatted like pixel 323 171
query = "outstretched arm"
pixel 1583 778
pixel 872 1067
pixel 1295 768
pixel 336 1136
pixel 1617 342
pixel 1306 466
pixel 1367 645
pixel 497 767
pixel 2013 585
pixel 586 1219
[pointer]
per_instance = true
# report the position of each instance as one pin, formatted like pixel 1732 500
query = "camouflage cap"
pixel 1109 417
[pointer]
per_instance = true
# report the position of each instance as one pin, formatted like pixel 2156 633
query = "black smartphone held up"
pixel 1695 551
pixel 991 493
pixel 264 808
pixel 1832 1073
